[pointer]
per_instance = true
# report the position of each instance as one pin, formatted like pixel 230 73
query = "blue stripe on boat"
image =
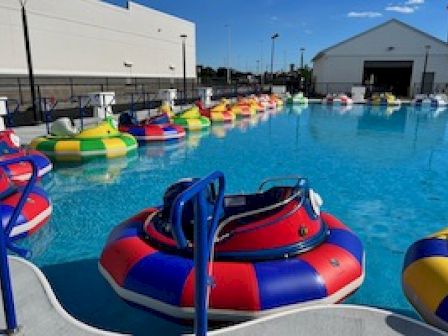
pixel 429 247
pixel 348 241
pixel 6 213
pixel 284 282
pixel 442 309
pixel 164 285
pixel 125 230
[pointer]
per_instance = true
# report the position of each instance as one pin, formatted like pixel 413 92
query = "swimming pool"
pixel 383 172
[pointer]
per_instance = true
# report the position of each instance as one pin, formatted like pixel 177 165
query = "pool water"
pixel 381 171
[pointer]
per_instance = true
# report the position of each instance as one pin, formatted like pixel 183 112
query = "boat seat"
pixel 127 118
pixel 64 127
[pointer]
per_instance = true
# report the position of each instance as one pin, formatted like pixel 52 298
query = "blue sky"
pixel 313 25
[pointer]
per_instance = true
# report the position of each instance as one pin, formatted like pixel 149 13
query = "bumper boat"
pixel 267 102
pixel 341 99
pixel 217 114
pixel 66 143
pixel 10 149
pixel 273 251
pixel 36 208
pixel 297 99
pixel 278 101
pixel 157 128
pixel 191 120
pixel 384 99
pixel 425 278
pixel 438 100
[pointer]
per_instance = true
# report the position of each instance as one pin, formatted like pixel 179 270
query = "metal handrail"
pixel 143 97
pixel 9 120
pixel 205 225
pixel 6 243
pixel 48 108
pixel 83 103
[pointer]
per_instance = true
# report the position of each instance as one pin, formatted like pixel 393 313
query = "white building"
pixel 388 57
pixel 92 38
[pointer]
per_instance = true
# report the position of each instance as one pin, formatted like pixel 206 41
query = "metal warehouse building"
pixel 92 42
pixel 388 57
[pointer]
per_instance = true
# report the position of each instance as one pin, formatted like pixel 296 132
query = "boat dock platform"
pixel 40 314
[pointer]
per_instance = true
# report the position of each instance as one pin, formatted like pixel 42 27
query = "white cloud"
pixel 364 14
pixel 401 9
pixel 415 2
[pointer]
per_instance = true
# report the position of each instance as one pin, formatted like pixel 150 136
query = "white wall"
pixel 93 38
pixel 345 62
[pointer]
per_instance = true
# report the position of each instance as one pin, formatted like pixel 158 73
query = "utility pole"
pixel 29 61
pixel 302 50
pixel 273 38
pixel 229 43
pixel 184 63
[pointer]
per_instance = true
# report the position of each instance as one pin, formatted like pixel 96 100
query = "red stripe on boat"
pixel 119 257
pixel 333 222
pixel 335 265
pixel 235 287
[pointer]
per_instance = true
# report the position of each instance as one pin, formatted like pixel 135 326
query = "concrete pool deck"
pixel 40 314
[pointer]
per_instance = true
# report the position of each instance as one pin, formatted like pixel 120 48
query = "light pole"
pixel 184 63
pixel 273 38
pixel 427 47
pixel 29 60
pixel 229 41
pixel 302 50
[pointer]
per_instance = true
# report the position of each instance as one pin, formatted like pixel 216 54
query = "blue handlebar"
pixel 6 243
pixel 189 194
pixel 31 182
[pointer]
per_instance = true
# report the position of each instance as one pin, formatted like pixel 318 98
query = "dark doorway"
pixel 392 76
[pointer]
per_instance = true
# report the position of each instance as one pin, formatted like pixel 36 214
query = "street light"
pixel 184 37
pixel 302 50
pixel 273 37
pixel 427 47
pixel 229 36
pixel 29 60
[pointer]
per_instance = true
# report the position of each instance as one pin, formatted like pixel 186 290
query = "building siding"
pixel 93 38
pixel 344 63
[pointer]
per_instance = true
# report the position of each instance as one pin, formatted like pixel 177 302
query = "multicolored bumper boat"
pixel 425 278
pixel 102 140
pixel 274 251
pixel 220 113
pixel 35 212
pixel 152 129
pixel 10 149
pixel 192 120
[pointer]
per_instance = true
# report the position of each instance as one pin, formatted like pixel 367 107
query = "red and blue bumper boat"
pixel 21 171
pixel 270 251
pixel 158 128
pixel 24 208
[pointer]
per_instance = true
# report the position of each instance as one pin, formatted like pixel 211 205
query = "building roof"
pixel 405 25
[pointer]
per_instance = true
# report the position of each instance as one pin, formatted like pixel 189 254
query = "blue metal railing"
pixel 9 113
pixel 47 106
pixel 83 103
pixel 7 244
pixel 204 230
pixel 136 98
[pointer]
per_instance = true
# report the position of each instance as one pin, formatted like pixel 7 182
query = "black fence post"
pixel 20 90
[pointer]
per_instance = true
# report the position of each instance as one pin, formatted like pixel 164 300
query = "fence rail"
pixel 135 93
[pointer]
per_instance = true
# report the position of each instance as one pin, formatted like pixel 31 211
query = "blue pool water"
pixel 383 172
